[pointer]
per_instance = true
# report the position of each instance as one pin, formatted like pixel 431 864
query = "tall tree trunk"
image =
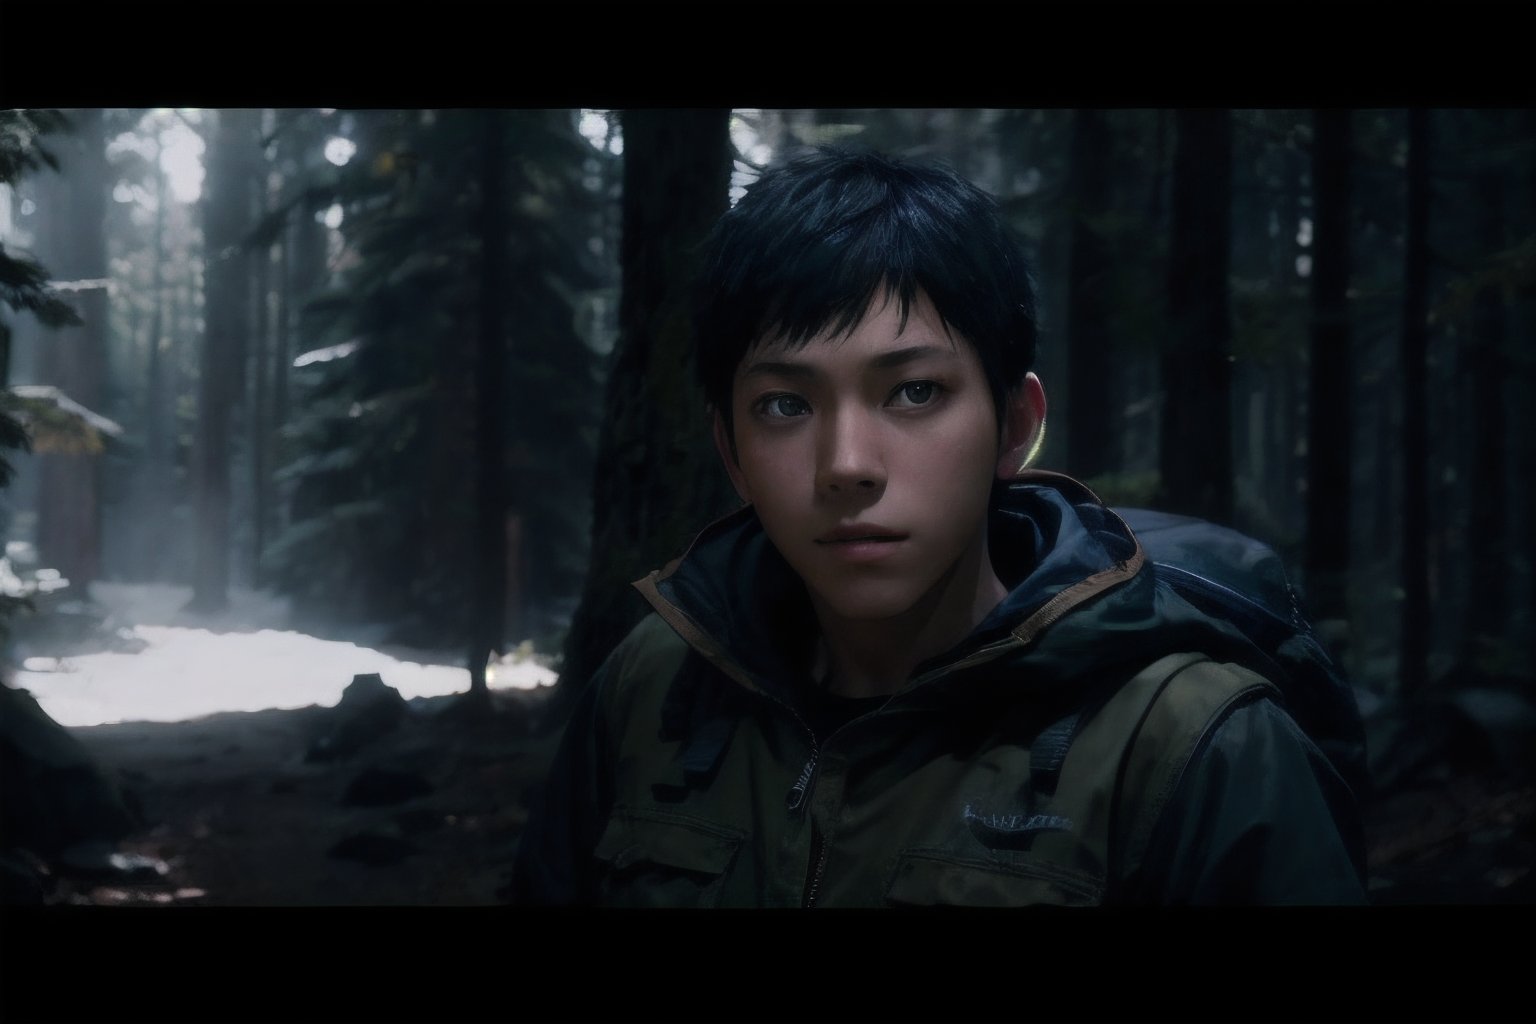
pixel 1287 504
pixel 1384 506
pixel 1196 447
pixel 658 481
pixel 304 271
pixel 226 219
pixel 1330 428
pixel 1140 362
pixel 75 359
pixel 1413 669
pixel 1093 406
pixel 488 562
pixel 1158 209
pixel 259 420
pixel 282 359
pixel 1488 557
pixel 154 503
pixel 1524 195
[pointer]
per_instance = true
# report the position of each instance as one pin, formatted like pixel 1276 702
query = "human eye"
pixel 915 394
pixel 782 406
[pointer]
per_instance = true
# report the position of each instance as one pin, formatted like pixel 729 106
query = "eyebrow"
pixel 884 361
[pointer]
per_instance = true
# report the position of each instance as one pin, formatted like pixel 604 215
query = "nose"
pixel 849 456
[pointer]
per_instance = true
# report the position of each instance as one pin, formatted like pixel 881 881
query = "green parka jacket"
pixel 702 768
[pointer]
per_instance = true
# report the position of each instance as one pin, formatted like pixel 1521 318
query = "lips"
pixel 861 533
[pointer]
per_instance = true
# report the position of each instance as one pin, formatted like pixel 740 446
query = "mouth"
pixel 860 533
pixel 861 546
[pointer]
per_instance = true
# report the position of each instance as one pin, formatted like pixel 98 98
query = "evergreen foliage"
pixel 24 281
pixel 23 287
pixel 381 444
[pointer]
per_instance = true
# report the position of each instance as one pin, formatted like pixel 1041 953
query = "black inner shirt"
pixel 826 712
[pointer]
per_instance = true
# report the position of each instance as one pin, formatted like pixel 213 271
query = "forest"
pixel 417 380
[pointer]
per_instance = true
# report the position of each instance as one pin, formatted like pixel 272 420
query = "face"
pixel 870 457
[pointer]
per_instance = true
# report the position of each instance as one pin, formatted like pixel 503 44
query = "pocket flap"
pixel 926 878
pixel 633 837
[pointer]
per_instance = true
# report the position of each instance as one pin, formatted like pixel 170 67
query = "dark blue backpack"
pixel 1231 576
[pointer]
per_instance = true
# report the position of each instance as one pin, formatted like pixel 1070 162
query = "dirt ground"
pixel 239 816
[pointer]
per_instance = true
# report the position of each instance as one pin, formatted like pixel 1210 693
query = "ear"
pixel 728 458
pixel 1023 427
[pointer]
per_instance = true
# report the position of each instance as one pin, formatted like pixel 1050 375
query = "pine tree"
pixel 385 468
pixel 24 288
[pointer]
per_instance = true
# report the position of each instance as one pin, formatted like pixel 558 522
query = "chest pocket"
pixel 934 878
pixel 655 859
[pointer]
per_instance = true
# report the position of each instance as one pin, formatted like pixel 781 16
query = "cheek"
pixel 963 461
pixel 768 469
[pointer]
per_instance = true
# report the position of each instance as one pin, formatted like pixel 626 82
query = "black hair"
pixel 813 238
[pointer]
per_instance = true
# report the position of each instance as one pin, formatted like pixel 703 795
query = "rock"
pixel 102 862
pixel 1498 727
pixel 52 791
pixel 379 787
pixel 24 879
pixel 368 709
pixel 374 849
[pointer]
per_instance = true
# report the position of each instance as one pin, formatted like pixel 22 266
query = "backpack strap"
pixel 1125 758
pixel 1191 704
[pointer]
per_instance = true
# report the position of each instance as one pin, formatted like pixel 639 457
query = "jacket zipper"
pixel 801 790
pixel 818 865
pixel 802 786
pixel 796 804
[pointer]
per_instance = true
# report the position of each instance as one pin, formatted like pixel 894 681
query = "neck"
pixel 872 657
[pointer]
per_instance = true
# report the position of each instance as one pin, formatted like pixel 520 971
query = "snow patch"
pixel 188 673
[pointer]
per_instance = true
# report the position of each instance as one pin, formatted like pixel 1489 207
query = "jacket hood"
pixel 1081 597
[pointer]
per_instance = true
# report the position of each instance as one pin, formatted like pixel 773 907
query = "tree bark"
pixel 75 358
pixel 1330 429
pixel 1413 669
pixel 488 562
pixel 657 481
pixel 259 419
pixel 1485 613
pixel 1196 446
pixel 154 491
pixel 226 220
pixel 1093 406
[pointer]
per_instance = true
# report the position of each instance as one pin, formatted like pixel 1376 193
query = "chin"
pixel 872 602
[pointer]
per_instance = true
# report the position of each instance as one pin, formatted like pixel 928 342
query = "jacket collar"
pixel 1057 548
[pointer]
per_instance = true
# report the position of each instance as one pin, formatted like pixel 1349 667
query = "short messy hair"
pixel 805 249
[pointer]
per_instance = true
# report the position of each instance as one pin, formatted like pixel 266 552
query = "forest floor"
pixel 237 815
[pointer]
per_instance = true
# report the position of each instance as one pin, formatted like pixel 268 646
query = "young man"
pixel 910 670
